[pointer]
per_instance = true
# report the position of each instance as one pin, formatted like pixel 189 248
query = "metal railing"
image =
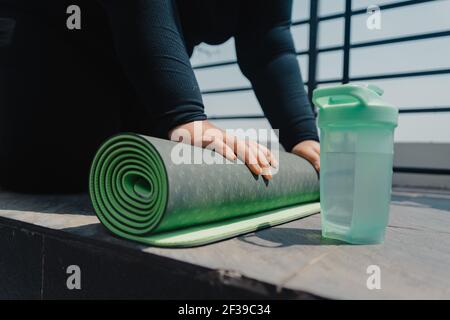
pixel 314 51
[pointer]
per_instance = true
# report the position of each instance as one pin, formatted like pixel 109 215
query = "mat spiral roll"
pixel 140 194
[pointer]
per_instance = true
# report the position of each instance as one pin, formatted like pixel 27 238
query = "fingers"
pixel 248 156
pixel 312 156
pixel 267 153
pixel 263 159
pixel 255 156
pixel 218 144
pixel 310 150
pixel 222 148
pixel 317 163
pixel 316 147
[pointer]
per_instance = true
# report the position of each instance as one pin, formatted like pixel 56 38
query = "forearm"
pixel 267 57
pixel 280 91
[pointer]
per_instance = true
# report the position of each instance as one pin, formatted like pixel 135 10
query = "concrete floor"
pixel 288 261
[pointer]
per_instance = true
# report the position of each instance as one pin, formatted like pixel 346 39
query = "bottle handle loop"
pixel 346 96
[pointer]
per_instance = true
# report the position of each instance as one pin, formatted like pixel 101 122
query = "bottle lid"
pixel 353 104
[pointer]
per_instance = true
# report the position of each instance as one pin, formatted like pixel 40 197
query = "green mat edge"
pixel 221 230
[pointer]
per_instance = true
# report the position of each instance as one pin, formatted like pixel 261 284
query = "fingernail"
pixel 274 163
pixel 266 171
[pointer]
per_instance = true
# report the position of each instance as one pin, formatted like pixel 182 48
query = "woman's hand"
pixel 310 150
pixel 203 133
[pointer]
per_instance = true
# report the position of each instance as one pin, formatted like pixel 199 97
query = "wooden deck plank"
pixel 414 259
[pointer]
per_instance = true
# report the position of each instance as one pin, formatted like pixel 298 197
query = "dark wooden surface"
pixel 288 261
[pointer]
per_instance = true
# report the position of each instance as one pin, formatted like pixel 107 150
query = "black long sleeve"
pixel 152 52
pixel 266 56
pixel 153 47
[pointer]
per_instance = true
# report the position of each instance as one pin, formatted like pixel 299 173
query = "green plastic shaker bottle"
pixel 357 142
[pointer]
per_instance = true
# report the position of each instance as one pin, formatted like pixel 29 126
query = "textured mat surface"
pixel 141 194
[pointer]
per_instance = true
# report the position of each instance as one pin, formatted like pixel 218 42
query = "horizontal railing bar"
pixel 228 90
pixel 327 81
pixel 363 11
pixel 403 75
pixel 390 76
pixel 238 117
pixel 214 65
pixel 360 78
pixel 232 62
pixel 300 22
pixel 424 110
pixel 434 171
pixel 415 37
pixel 394 5
pixel 401 110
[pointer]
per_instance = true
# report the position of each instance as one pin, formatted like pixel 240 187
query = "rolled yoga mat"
pixel 140 194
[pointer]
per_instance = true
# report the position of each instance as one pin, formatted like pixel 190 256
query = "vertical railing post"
pixel 312 52
pixel 347 41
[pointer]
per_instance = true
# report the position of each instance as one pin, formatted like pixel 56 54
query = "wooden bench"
pixel 41 236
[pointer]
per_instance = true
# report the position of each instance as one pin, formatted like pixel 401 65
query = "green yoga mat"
pixel 140 194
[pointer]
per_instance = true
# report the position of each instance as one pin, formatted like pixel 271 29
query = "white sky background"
pixel 430 91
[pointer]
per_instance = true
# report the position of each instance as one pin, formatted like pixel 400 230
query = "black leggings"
pixel 59 99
